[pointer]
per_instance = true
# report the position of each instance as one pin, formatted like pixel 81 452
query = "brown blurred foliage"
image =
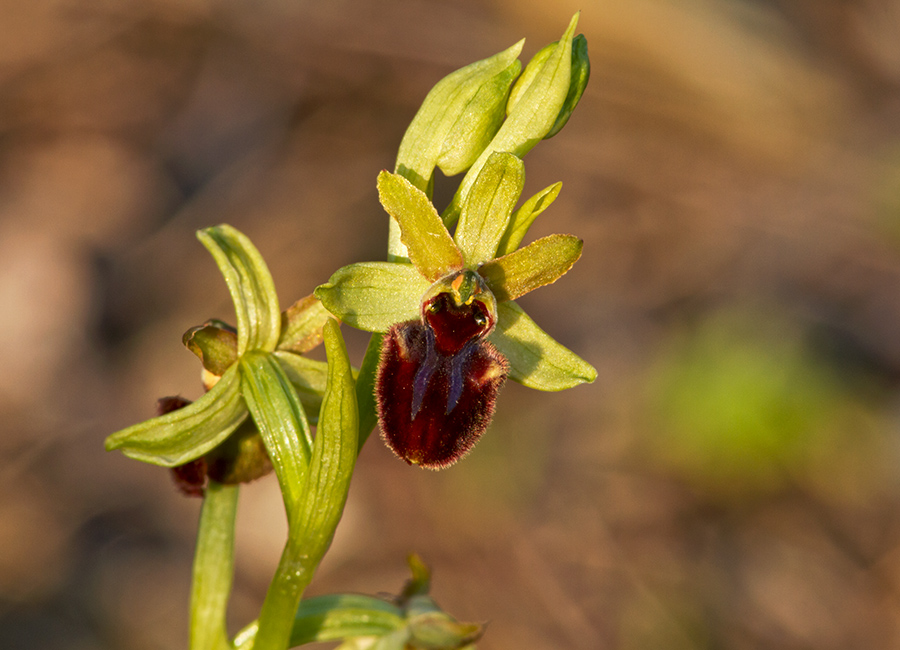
pixel 734 169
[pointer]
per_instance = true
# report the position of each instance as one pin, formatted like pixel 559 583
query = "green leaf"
pixel 313 518
pixel 430 247
pixel 188 433
pixel 335 617
pixel 523 218
pixel 301 325
pixel 487 208
pixel 535 359
pixel 457 104
pixel 532 117
pixel 581 72
pixel 372 296
pixel 250 285
pixel 540 263
pixel 279 416
pixel 213 569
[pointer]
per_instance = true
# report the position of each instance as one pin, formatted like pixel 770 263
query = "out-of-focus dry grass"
pixel 729 481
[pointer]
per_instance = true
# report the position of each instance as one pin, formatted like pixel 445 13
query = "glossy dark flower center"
pixel 455 325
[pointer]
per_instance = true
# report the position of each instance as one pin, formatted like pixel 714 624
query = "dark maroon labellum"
pixel 437 382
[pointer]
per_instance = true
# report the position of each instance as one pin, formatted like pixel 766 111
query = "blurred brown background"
pixel 730 481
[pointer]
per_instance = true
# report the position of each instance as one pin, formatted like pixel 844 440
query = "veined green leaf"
pixel 540 263
pixel 250 285
pixel 301 325
pixel 188 433
pixel 532 117
pixel 536 360
pixel 487 209
pixel 523 218
pixel 430 247
pixel 457 103
pixel 335 617
pixel 279 416
pixel 313 518
pixel 372 296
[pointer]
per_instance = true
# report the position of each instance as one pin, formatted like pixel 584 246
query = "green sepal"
pixel 532 117
pixel 187 433
pixel 250 284
pixel 522 218
pixel 581 72
pixel 213 569
pixel 540 263
pixel 214 345
pixel 281 421
pixel 301 325
pixel 308 377
pixel 456 105
pixel 372 296
pixel 488 207
pixel 536 360
pixel 478 124
pixel 428 244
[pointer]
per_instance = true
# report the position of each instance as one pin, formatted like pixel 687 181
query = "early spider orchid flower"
pixel 453 332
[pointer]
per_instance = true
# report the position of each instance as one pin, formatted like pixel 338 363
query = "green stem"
pixel 213 568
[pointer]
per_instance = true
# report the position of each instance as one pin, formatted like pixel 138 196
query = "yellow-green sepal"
pixel 372 296
pixel 187 433
pixel 536 360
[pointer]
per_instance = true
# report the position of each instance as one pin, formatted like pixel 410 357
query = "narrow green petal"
pixel 486 212
pixel 279 416
pixel 522 218
pixel 188 433
pixel 301 325
pixel 535 359
pixel 250 285
pixel 532 117
pixel 213 569
pixel 455 101
pixel 372 296
pixel 540 263
pixel 430 247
